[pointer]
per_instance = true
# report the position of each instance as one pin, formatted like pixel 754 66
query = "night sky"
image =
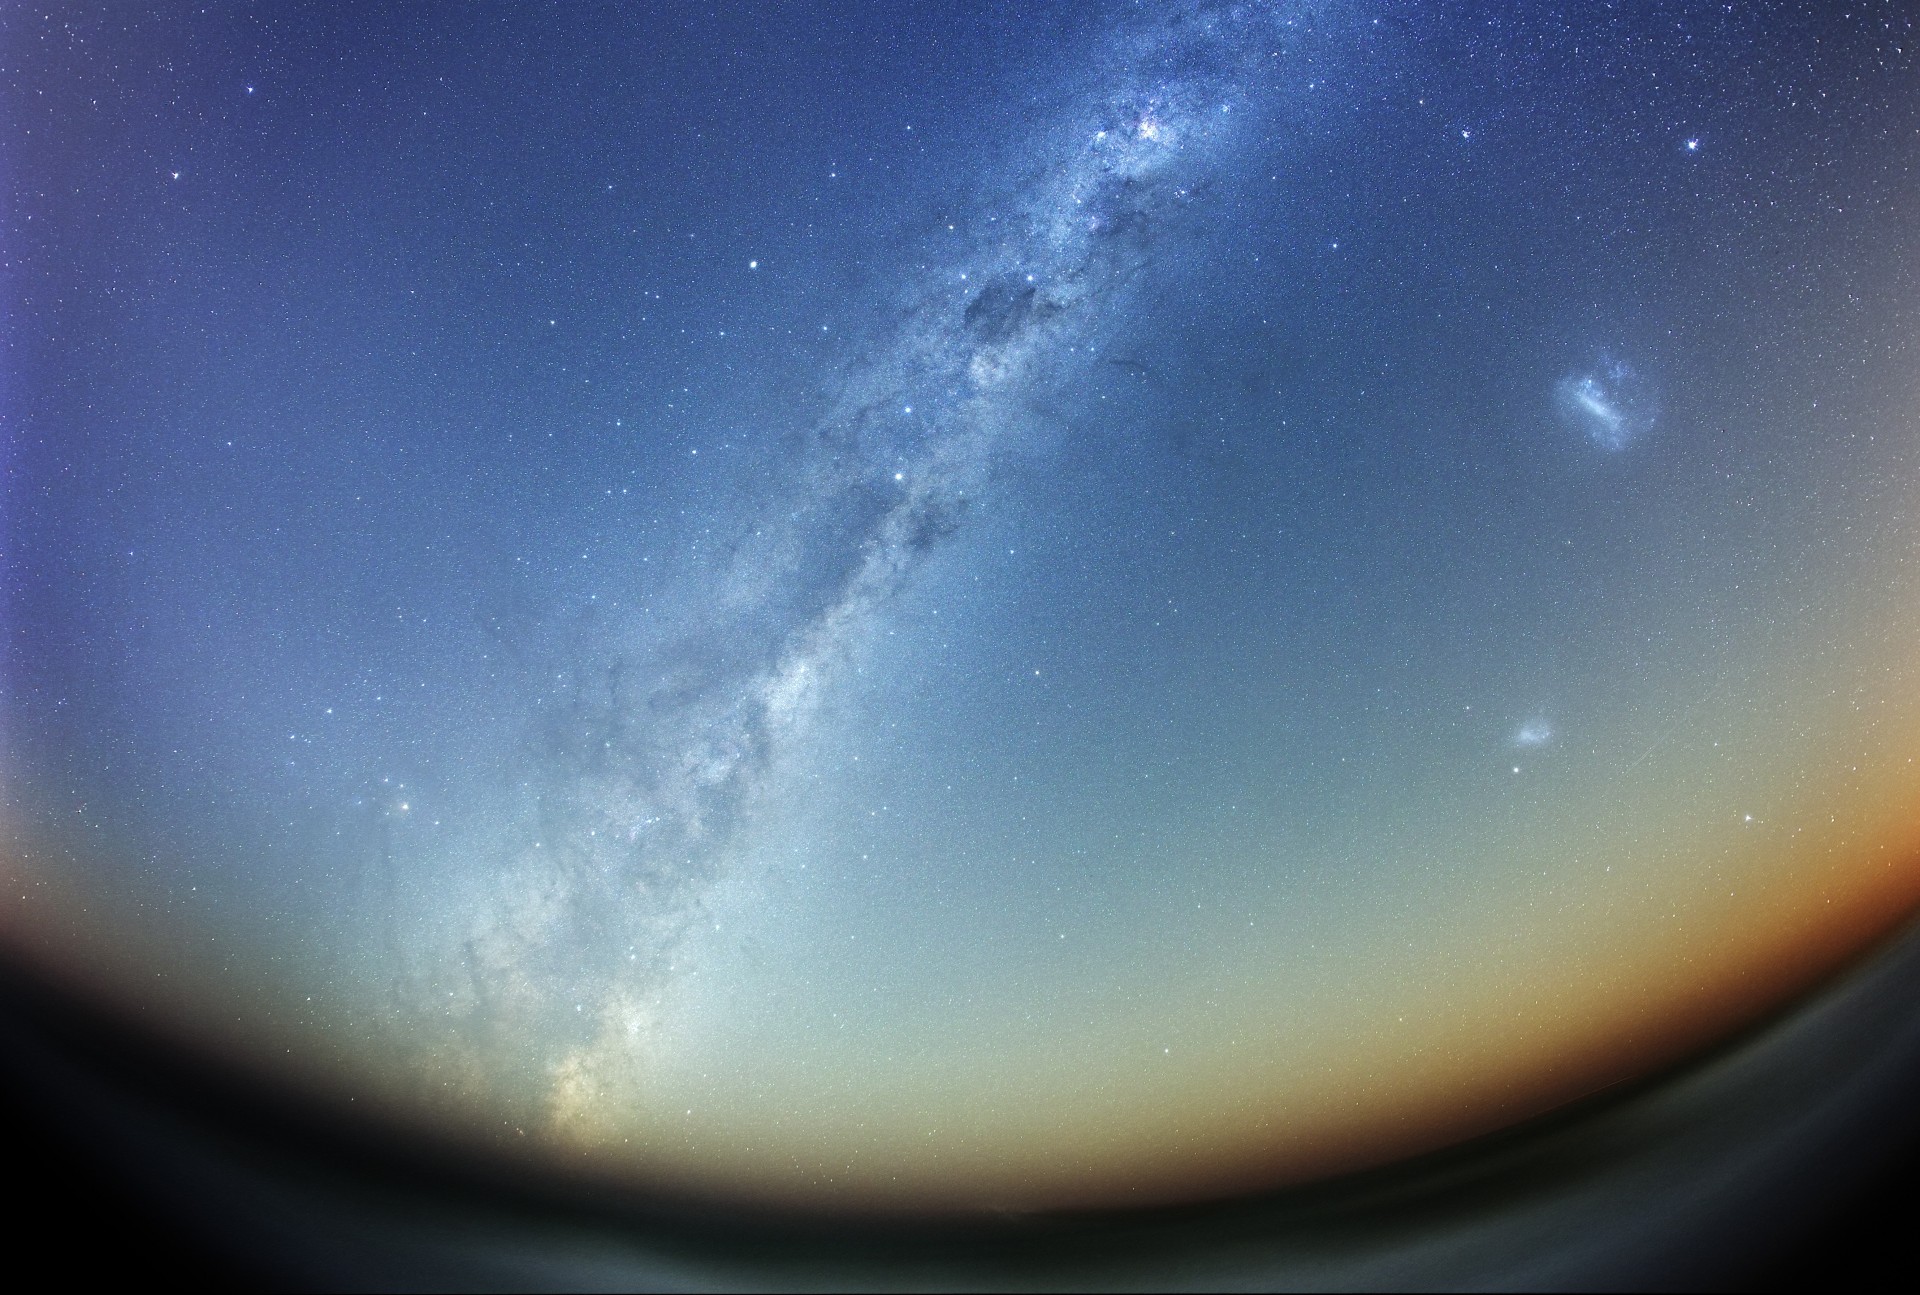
pixel 965 605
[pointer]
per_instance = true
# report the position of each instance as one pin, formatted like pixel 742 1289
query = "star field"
pixel 981 606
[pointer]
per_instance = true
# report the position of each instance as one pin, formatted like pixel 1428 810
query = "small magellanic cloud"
pixel 1535 732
